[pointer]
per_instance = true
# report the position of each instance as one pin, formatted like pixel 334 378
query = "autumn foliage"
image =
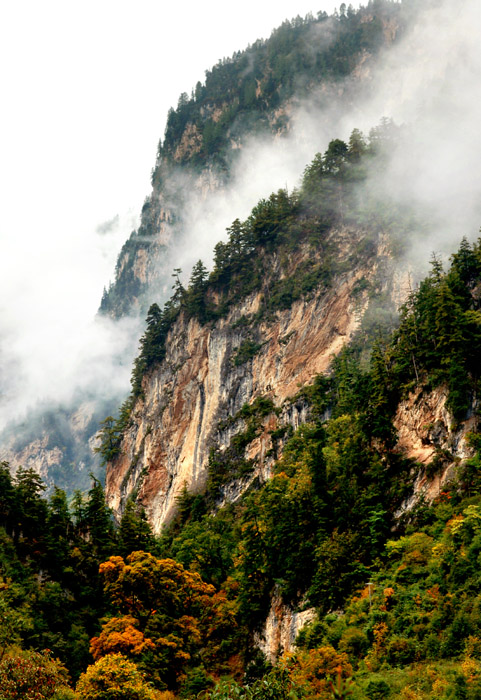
pixel 167 615
pixel 30 675
pixel 114 677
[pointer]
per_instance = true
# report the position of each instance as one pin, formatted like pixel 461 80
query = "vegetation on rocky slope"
pixel 114 612
pixel 396 598
pixel 242 96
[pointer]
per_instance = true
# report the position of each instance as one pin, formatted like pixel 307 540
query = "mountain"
pixel 251 98
pixel 254 93
pixel 292 497
pixel 288 290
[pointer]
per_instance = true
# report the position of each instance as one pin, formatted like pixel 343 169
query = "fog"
pixel 428 84
pixel 85 92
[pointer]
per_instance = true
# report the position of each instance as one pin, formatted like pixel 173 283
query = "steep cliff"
pixel 253 94
pixel 428 433
pixel 193 400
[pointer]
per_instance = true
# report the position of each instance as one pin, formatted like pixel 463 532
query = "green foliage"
pixel 134 532
pixel 316 532
pixel 99 521
pixel 110 437
pixel 266 255
pixel 230 464
pixel 50 552
pixel 207 546
pixel 245 352
pixel 247 87
pixel 275 685
pixel 439 337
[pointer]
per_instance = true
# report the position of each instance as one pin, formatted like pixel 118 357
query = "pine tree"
pixel 134 531
pixel 59 530
pixel 110 437
pixel 195 297
pixel 30 507
pixel 7 496
pixel 99 521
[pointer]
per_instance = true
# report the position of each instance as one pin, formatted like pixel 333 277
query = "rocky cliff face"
pixel 281 628
pixel 57 443
pixel 428 434
pixel 192 400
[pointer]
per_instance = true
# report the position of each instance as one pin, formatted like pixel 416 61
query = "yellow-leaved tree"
pixel 114 676
pixel 165 619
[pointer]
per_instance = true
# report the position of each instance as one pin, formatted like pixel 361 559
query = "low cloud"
pixel 429 84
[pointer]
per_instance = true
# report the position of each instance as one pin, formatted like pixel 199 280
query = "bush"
pixel 354 643
pixel 377 689
pixel 196 681
pixel 114 677
pixel 400 651
pixel 31 675
pixel 245 352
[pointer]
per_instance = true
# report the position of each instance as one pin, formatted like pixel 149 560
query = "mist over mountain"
pixel 291 440
pixel 224 149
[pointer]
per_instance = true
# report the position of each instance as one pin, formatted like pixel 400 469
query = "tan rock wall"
pixel 425 429
pixel 197 385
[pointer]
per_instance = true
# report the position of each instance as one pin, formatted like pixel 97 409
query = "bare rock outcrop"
pixel 200 384
pixel 428 434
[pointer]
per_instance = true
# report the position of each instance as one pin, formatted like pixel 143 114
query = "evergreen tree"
pixel 110 437
pixel 7 497
pixel 99 521
pixel 196 304
pixel 134 531
pixel 59 531
pixel 30 509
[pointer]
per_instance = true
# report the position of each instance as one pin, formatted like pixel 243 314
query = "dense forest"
pixel 396 597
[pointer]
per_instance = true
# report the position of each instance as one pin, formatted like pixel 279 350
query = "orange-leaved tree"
pixel 120 635
pixel 314 670
pixel 166 615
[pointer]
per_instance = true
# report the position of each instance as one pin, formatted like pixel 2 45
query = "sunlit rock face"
pixel 428 434
pixel 191 399
pixel 281 628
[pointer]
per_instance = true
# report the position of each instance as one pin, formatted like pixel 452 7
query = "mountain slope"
pixel 253 95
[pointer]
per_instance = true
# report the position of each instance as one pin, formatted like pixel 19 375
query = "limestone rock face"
pixel 427 431
pixel 62 437
pixel 281 628
pixel 189 397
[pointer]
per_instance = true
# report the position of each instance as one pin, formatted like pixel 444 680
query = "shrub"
pixel 245 352
pixel 114 677
pixel 354 643
pixel 31 675
pixel 400 651
pixel 377 689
